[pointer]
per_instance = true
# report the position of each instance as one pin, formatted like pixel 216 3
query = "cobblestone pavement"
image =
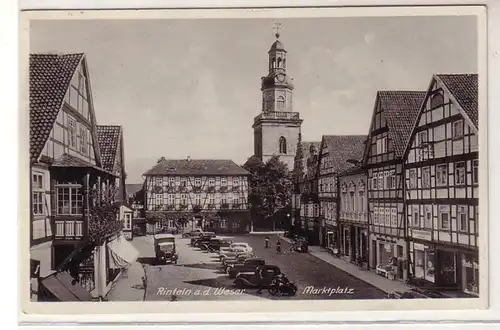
pixel 197 275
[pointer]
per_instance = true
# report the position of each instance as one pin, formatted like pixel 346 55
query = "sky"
pixel 191 87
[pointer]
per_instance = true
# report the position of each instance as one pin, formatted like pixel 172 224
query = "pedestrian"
pixel 267 242
pixel 278 247
pixel 260 273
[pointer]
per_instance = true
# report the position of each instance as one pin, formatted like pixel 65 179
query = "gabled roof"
pixel 109 137
pixel 196 167
pixel 400 109
pixel 343 147
pixel 49 79
pixel 464 88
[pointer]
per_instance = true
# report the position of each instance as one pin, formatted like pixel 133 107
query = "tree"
pixel 270 187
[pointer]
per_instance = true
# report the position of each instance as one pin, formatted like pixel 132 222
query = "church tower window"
pixel 282 143
pixel 281 102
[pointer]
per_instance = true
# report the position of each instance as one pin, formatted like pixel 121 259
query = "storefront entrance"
pixel 470 273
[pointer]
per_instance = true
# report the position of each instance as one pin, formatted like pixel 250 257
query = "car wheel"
pixel 238 283
pixel 273 290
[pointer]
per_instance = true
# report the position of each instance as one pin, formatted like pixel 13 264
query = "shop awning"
pixel 60 286
pixel 121 253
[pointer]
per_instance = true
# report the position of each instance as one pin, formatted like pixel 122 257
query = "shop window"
pixel 448 274
pixel 424 265
pixel 470 274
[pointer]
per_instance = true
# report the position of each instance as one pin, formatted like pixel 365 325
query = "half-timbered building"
pixel 334 153
pixel 390 129
pixel 353 215
pixel 305 202
pixel 189 193
pixel 67 174
pixel 441 173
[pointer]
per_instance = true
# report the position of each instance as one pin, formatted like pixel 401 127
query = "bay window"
pixel 69 199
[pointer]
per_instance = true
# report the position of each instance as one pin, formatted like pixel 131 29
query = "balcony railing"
pixel 278 115
pixel 69 229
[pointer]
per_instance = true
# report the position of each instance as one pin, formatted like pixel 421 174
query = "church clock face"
pixel 280 78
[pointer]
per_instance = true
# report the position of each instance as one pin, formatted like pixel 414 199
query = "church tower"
pixel 277 127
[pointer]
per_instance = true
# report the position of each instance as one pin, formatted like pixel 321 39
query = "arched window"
pixel 279 62
pixel 284 63
pixel 282 143
pixel 437 100
pixel 273 62
pixel 281 102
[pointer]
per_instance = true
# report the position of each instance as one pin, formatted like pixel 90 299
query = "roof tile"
pixel 344 147
pixel 108 137
pixel 464 87
pixel 196 167
pixel 49 79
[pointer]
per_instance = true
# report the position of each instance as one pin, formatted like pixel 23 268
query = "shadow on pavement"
pixel 147 261
pixel 212 266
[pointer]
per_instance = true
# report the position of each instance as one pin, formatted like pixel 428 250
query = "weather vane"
pixel 277 27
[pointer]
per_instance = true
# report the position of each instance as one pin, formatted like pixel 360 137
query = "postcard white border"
pixel 155 311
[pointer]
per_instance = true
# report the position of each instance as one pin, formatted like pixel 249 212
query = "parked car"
pixel 231 254
pixel 251 279
pixel 246 266
pixel 206 236
pixel 236 260
pixel 235 249
pixel 216 243
pixel 193 233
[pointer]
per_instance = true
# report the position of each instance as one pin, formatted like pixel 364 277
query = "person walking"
pixel 267 242
pixel 278 247
pixel 260 273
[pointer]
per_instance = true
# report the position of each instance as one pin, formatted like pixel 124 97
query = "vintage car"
pixel 205 237
pixel 248 265
pixel 165 248
pixel 234 249
pixel 234 254
pixel 193 233
pixel 216 243
pixel 251 279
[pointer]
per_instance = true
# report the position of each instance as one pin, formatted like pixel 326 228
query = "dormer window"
pixel 437 100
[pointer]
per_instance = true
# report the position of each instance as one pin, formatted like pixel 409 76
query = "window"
pixel 382 145
pixel 441 175
pixel 183 199
pixel 460 173
pixel 223 223
pixel 128 221
pixel 38 194
pixel 457 129
pixel 437 100
pixel 475 171
pixel 171 181
pixel 211 182
pixel 416 217
pixel 197 182
pixel 236 181
pixel 424 264
pixel 183 182
pixel 282 145
pixel 422 139
pixel 72 131
pixel 211 198
pixel 374 182
pixel 69 200
pixel 462 218
pixel 83 140
pixel 375 216
pixel 413 178
pixel 171 199
pixel 394 217
pixel 444 217
pixel 223 181
pixel 316 210
pixel 223 199
pixel 281 102
pixel 381 180
pixel 426 177
pixel 352 201
pixel 387 217
pixel 428 218
pixel 158 181
pixel 197 199
pixel 362 202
